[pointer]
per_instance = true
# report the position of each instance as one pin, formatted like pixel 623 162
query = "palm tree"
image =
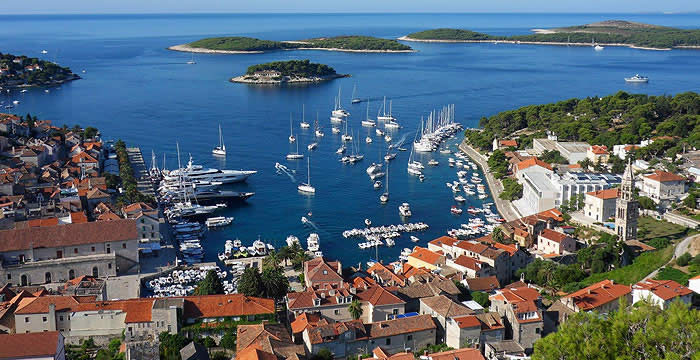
pixel 272 259
pixel 355 309
pixel 285 254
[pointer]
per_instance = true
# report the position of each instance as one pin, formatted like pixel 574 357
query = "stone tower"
pixel 627 211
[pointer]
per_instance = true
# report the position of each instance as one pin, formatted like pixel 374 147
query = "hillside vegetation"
pixel 26 71
pixel 299 68
pixel 606 32
pixel 238 43
pixel 352 42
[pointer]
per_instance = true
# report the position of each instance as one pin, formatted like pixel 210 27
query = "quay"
pixel 143 182
pixel 505 208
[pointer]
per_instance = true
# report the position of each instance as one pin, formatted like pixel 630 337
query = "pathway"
pixel 143 183
pixel 680 249
pixel 505 208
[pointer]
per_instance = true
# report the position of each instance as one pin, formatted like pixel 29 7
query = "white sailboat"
pixel 355 99
pixel 319 132
pixel 221 149
pixel 384 198
pixel 345 136
pixel 291 135
pixel 338 111
pixel 296 155
pixel 386 116
pixel 191 61
pixel 596 47
pixel 304 124
pixel 368 121
pixel 306 187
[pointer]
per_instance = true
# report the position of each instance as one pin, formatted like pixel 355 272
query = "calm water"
pixel 136 90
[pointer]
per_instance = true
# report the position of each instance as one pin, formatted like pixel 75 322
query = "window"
pixel 95 272
pixel 409 337
pixel 124 246
pixel 44 319
pixel 109 266
pixel 71 274
pixel 336 312
pixel 395 311
pixel 9 276
pixel 60 318
pixel 537 331
pixel 109 249
pixel 388 341
pixel 26 319
pixel 92 249
pixel 75 251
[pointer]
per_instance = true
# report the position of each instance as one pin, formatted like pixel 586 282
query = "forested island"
pixel 292 71
pixel 22 71
pixel 242 45
pixel 610 33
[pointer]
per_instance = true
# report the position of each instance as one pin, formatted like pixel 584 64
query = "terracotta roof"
pixel 68 235
pixel 532 162
pixel 599 149
pixel 108 216
pixel 323 272
pixel 78 217
pixel 467 321
pixel 96 193
pixel 386 274
pixel 553 214
pixel 472 246
pixel 663 176
pixel 508 143
pixel 307 320
pixel 137 206
pixel 444 240
pixel 460 354
pixel 268 338
pixel 510 249
pixel 490 321
pixel 40 305
pixel 425 255
pixel 253 353
pixel 331 332
pixel 516 295
pixel 492 253
pixel 404 325
pixel 137 310
pixel 305 299
pixel 378 296
pixel 605 194
pixel 380 354
pixel 468 262
pixel 212 306
pixel 598 294
pixel 445 307
pixel 83 157
pixel 30 345
pixel 552 235
pixel 487 284
pixel 665 289
pixel 40 222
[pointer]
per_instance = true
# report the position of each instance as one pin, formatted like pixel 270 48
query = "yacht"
pixel 219 221
pixel 389 157
pixel 384 198
pixel 317 127
pixel 312 146
pixel 598 48
pixel 386 116
pixel 355 99
pixel 295 156
pixel 387 138
pixel 306 187
pixel 433 162
pixel 637 79
pixel 341 149
pixel 196 172
pixel 44 52
pixel 377 184
pixel 391 124
pixel 313 243
pixel 379 132
pixel 335 130
pixel 303 123
pixel 338 111
pixel 221 149
pixel 414 238
pixel 374 168
pixel 368 140
pixel 368 222
pixel 191 61
pixel 291 240
pixel 405 210
pixel 368 121
pixel 455 210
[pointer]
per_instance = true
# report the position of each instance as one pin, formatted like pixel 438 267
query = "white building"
pixel 660 292
pixel 572 151
pixel 694 284
pixel 600 205
pixel 662 185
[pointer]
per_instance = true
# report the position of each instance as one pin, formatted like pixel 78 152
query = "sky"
pixel 322 6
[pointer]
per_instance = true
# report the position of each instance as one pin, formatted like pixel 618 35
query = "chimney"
pixel 52 317
pixel 612 282
pixel 589 291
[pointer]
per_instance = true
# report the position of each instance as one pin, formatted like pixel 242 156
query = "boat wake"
pixel 310 223
pixel 401 141
pixel 281 169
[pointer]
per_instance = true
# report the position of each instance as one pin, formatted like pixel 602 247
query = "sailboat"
pixel 304 124
pixel 368 121
pixel 385 116
pixel 384 198
pixel 355 99
pixel 295 156
pixel 291 135
pixel 319 132
pixel 345 136
pixel 338 111
pixel 191 61
pixel 221 149
pixel 306 187
pixel 596 47
pixel 414 167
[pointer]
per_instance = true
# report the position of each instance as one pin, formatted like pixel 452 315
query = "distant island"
pixel 248 45
pixel 609 33
pixel 292 71
pixel 22 71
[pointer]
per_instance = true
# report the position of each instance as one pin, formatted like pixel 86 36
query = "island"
pixel 607 33
pixel 23 71
pixel 248 45
pixel 292 71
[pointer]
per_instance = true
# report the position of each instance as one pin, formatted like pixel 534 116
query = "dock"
pixel 143 181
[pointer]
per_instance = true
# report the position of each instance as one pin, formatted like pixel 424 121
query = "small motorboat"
pixel 455 210
pixel 368 222
pixel 377 184
pixel 414 238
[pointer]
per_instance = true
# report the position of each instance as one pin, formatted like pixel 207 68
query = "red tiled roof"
pixel 663 176
pixel 137 310
pixel 30 345
pixel 508 143
pixel 212 306
pixel 40 305
pixel 598 294
pixel 516 295
pixel 467 321
pixel 83 157
pixel 532 162
pixel 605 194
pixel 306 320
pixel 68 235
pixel 665 289
pixel 443 240
pixel 400 326
pixel 425 255
pixel 510 249
pixel 460 354
pixel 483 284
pixel 599 149
pixel 78 218
pixel 472 246
pixel 468 262
pixel 553 214
pixel 555 236
pixel 378 296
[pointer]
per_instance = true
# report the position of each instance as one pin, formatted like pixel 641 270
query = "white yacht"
pixel 368 121
pixel 219 221
pixel 295 156
pixel 306 187
pixel 291 240
pixel 374 168
pixel 387 138
pixel 196 172
pixel 368 140
pixel 384 198
pixel 405 210
pixel 338 111
pixel 313 243
pixel 341 150
pixel 386 116
pixel 355 99
pixel 312 146
pixel 389 157
pixel 391 124
pixel 637 79
pixel 335 130
pixel 303 123
pixel 379 132
pixel 221 149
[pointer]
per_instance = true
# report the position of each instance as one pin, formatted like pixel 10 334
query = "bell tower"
pixel 627 211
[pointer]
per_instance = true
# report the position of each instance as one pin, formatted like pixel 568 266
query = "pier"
pixel 505 208
pixel 143 182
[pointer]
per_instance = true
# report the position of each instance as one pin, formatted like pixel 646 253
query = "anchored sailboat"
pixel 221 149
pixel 304 124
pixel 306 187
pixel 368 121
pixel 291 134
pixel 384 198
pixel 355 99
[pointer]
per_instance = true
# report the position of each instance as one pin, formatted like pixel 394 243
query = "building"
pixel 470 267
pixel 627 208
pixel 332 304
pixel 474 330
pixel 504 350
pixel 57 253
pixel 319 273
pixel 459 354
pixel 554 242
pixel 44 346
pixel 378 304
pixel 266 341
pixel 426 285
pixel 520 306
pixel 694 284
pixel 598 154
pixel 600 205
pixel 662 185
pixel 571 151
pixel 424 258
pixel 194 351
pixel 486 284
pixel 350 338
pixel 602 297
pixel 442 308
pixel 661 292
pixel 504 144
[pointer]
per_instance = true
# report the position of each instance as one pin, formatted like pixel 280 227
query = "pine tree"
pixel 250 283
pixel 210 285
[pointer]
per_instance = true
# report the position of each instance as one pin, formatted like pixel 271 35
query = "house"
pixel 305 321
pixel 504 144
pixel 459 354
pixel 504 350
pixel 662 185
pixel 600 205
pixel 350 338
pixel 486 284
pixel 46 254
pixel 148 223
pixel 661 292
pixel 473 330
pixel 471 267
pixel 601 297
pixel 534 164
pixel 598 154
pixel 332 304
pixel 520 306
pixel 319 273
pixel 443 243
pixel 379 354
pixel 424 258
pixel 554 242
pixel 85 161
pixel 194 351
pixel 442 308
pixel 379 304
pixel 44 345
pixel 266 341
pixel 384 276
pixel 426 285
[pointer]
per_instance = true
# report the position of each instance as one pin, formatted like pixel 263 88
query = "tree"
pixel 89 132
pixel 355 309
pixel 220 355
pixel 272 260
pixel 170 345
pixel 585 163
pixel 209 342
pixel 250 283
pixel 684 259
pixel 285 254
pixel 228 341
pixel 323 354
pixel 275 284
pixel 646 203
pixel 210 285
pixel 691 201
pixel 482 298
pixel 498 164
pixel 497 235
pixel 512 190
pixel 464 294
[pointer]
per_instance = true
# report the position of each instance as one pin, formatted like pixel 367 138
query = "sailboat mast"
pixel 308 170
pixel 290 125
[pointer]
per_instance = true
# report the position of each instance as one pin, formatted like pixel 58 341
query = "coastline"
pixel 243 79
pixel 406 38
pixel 187 48
pixel 52 83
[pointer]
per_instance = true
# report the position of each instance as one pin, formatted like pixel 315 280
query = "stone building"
pixel 627 209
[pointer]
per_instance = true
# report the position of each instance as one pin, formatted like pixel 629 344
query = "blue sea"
pixel 136 90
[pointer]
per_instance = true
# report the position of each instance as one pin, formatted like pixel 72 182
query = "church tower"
pixel 627 211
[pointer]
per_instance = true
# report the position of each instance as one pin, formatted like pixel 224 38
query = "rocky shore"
pixel 187 48
pixel 406 38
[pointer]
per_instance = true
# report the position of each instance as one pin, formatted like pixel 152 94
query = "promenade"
pixel 143 184
pixel 505 208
